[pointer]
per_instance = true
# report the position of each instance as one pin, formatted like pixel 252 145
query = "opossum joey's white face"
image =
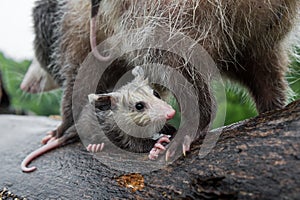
pixel 135 102
pixel 143 106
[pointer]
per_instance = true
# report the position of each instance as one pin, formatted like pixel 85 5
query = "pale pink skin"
pixel 93 41
pixel 94 148
pixel 52 144
pixel 158 148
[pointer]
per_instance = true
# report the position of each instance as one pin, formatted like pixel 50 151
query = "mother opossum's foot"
pixel 51 135
pixel 186 146
pixel 158 147
pixel 48 138
pixel 59 132
pixel 95 148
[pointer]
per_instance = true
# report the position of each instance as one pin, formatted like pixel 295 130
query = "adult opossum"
pixel 248 40
pixel 136 103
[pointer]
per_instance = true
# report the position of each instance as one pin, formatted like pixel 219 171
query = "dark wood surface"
pixel 255 159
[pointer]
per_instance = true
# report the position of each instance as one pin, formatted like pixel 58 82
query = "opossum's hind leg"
pixel 71 133
pixel 66 110
pixel 186 145
pixel 52 144
pixel 265 79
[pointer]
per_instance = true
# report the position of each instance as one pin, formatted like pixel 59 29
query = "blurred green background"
pixel 238 104
pixel 40 104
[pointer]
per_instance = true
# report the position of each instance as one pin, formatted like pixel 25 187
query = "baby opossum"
pixel 136 109
pixel 248 40
pixel 137 103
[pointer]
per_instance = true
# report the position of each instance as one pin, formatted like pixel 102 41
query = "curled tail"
pixel 93 31
pixel 40 151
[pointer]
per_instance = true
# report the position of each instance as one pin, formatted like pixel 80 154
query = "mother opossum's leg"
pixel 66 110
pixel 206 103
pixel 265 78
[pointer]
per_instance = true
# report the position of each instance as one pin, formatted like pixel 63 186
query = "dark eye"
pixel 156 94
pixel 140 106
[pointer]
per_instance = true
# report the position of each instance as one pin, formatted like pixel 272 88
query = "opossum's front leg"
pixel 207 109
pixel 266 81
pixel 67 114
pixel 158 148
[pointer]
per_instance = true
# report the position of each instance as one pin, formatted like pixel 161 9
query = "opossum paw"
pixel 95 148
pixel 49 137
pixel 158 148
pixel 186 145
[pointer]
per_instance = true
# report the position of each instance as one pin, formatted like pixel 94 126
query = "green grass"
pixel 294 77
pixel 40 104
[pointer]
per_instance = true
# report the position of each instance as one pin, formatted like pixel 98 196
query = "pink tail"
pixel 94 42
pixel 40 151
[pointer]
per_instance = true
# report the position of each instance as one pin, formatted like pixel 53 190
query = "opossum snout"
pixel 162 111
pixel 170 114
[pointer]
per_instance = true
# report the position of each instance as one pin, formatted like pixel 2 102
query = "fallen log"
pixel 255 159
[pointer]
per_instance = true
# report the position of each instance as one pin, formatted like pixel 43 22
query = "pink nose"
pixel 23 87
pixel 171 114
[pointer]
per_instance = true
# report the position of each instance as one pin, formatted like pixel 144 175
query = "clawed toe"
pixel 186 144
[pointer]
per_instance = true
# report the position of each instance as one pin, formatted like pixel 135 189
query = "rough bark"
pixel 253 159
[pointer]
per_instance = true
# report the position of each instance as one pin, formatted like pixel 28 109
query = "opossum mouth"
pixel 168 130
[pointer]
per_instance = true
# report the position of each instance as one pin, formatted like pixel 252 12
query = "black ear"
pixel 104 101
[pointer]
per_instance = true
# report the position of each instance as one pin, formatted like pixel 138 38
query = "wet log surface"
pixel 255 159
